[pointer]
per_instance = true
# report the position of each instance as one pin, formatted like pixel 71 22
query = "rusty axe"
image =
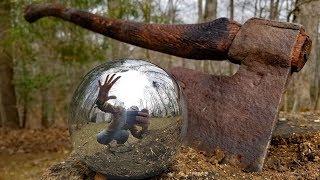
pixel 235 114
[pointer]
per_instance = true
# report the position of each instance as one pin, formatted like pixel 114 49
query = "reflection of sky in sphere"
pixel 144 85
pixel 129 88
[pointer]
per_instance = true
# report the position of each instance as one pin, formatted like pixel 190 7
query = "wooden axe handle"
pixel 206 41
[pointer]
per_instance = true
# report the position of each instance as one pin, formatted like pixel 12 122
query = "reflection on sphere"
pixel 131 123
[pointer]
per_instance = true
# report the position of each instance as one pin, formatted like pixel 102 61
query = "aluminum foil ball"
pixel 126 119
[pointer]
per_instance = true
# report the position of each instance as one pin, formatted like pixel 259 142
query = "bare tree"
pixel 306 87
pixel 274 8
pixel 317 72
pixel 231 8
pixel 146 8
pixel 210 13
pixel 113 12
pixel 210 10
pixel 172 11
pixel 200 11
pixel 46 104
pixel 255 8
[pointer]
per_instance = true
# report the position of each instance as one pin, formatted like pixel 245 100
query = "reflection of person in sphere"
pixel 132 116
pixel 122 120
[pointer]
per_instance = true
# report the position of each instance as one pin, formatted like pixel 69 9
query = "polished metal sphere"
pixel 127 119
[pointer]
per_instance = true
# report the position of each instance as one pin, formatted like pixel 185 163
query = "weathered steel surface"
pixel 271 43
pixel 236 114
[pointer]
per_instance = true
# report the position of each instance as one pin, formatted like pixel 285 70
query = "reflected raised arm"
pixel 103 95
pixel 104 89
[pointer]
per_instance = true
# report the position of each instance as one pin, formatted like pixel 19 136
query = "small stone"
pixel 282 119
pixel 170 174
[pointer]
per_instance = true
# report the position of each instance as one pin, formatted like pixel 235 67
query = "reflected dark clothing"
pixel 106 107
pixel 114 131
pixel 106 136
pixel 122 121
pixel 131 117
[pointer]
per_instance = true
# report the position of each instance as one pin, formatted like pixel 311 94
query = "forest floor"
pixel 294 153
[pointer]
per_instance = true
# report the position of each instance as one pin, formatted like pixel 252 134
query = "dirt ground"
pixel 294 154
pixel 24 154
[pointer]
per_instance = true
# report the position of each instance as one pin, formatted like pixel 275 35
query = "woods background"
pixel 42 63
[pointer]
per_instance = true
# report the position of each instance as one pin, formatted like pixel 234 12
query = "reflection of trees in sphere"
pixel 134 133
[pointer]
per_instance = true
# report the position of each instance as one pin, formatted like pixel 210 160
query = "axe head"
pixel 237 114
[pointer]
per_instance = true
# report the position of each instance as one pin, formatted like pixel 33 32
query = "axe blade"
pixel 237 114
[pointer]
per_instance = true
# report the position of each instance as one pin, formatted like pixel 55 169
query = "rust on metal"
pixel 236 114
pixel 301 51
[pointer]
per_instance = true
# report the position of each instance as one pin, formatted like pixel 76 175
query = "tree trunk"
pixel 210 13
pixel 46 109
pixel 285 102
pixel 200 11
pixel 9 111
pixel 113 6
pixel 3 116
pixel 261 9
pixel 199 65
pixel 145 7
pixel 172 12
pixel 231 8
pixel 271 16
pixel 317 71
pixel 172 15
pixel 25 114
pixel 255 8
pixel 277 10
pixel 274 8
pixel 307 14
